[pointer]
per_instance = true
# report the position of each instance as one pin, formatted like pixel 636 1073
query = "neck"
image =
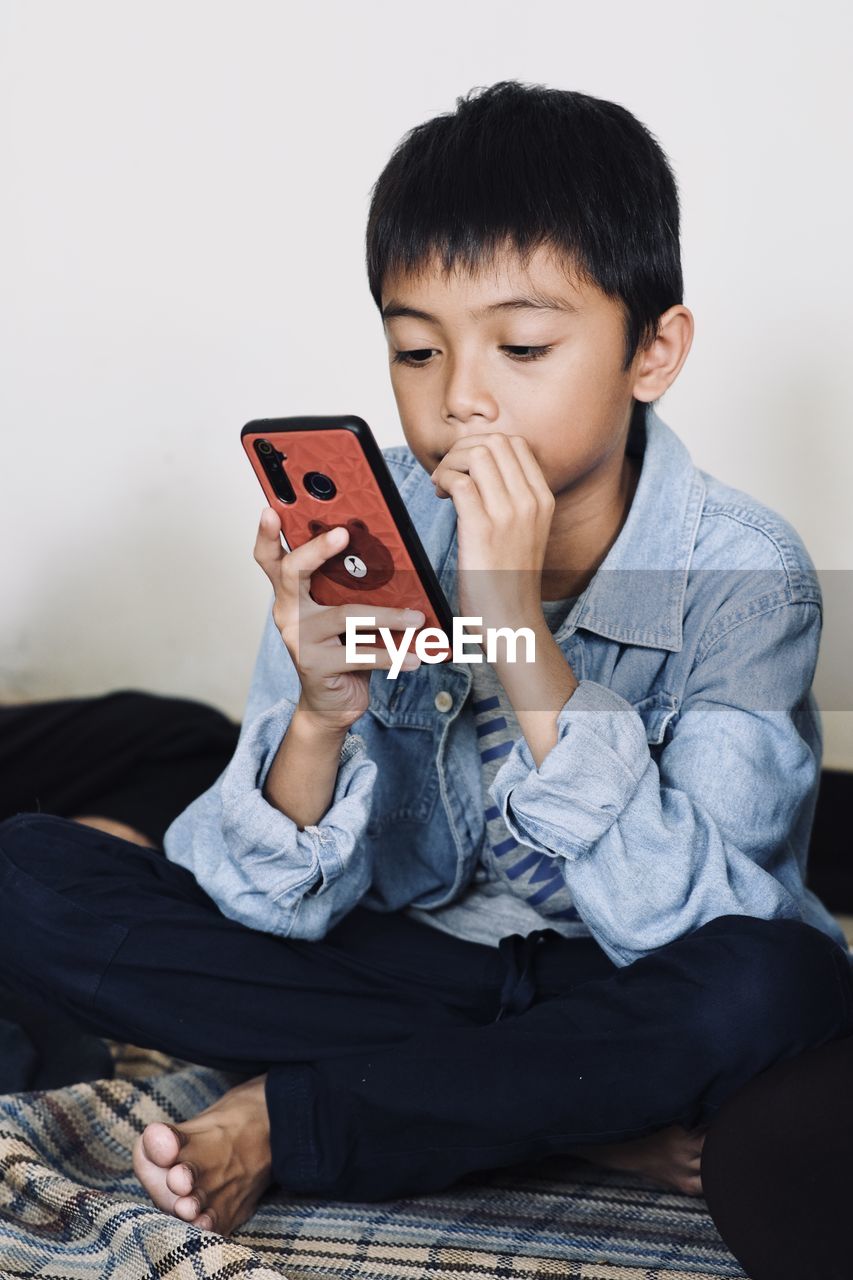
pixel 587 521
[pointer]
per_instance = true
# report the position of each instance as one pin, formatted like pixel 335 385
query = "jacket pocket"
pixel 406 785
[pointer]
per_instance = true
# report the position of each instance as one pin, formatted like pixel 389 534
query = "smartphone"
pixel 320 472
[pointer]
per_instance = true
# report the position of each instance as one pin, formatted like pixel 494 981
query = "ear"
pixel 357 524
pixel 317 526
pixel 658 365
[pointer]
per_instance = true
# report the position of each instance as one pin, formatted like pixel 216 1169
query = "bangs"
pixel 518 168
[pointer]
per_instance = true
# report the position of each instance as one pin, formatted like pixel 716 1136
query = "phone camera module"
pixel 271 461
pixel 319 485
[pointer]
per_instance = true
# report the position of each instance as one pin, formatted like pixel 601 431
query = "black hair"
pixel 525 165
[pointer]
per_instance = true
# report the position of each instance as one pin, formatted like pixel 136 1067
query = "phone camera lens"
pixel 263 446
pixel 320 485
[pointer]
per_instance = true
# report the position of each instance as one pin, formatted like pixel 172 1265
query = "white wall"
pixel 185 185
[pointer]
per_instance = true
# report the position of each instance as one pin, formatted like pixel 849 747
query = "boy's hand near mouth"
pixel 504 508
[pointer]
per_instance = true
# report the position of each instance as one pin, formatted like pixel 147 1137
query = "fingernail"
pixel 414 615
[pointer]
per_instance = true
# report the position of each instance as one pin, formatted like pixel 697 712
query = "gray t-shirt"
pixel 514 889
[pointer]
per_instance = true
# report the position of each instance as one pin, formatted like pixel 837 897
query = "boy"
pixel 487 912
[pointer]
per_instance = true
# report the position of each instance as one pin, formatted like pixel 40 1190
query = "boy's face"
pixel 465 365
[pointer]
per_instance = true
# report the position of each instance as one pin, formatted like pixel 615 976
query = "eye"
pixel 522 355
pixel 533 353
pixel 411 357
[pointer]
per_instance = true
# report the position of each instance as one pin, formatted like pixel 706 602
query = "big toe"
pixel 152 1178
pixel 162 1144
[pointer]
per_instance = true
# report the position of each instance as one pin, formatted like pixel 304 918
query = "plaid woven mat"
pixel 72 1209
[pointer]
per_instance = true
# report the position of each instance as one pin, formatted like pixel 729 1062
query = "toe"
pixel 181 1179
pixel 206 1221
pixel 162 1143
pixel 188 1208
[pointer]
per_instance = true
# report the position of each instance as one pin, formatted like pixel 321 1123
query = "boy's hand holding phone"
pixel 335 693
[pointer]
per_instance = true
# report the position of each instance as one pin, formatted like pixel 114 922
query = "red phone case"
pixel 384 562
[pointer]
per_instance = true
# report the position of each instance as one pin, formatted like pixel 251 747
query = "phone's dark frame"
pixel 389 490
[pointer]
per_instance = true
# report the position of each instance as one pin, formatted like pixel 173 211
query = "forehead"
pixel 545 276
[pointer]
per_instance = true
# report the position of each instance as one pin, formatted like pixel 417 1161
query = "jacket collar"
pixel 637 595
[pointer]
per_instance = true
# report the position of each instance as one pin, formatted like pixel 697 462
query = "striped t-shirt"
pixel 515 889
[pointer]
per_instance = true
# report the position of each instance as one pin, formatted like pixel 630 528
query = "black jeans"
pixel 136 757
pixel 777 1167
pixel 400 1058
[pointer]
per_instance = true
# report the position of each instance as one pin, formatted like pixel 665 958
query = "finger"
pixel 307 558
pixel 497 442
pixel 507 459
pixel 268 549
pixel 383 615
pixel 462 489
pixel 477 459
pixel 531 468
pixel 495 494
pixel 524 489
pixel 330 621
pixel 521 464
pixel 299 564
pixel 327 662
pixel 468 442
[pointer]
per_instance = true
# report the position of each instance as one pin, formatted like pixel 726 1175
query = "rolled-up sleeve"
pixel 652 848
pixel 251 858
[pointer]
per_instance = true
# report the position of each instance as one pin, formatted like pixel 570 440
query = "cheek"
pixel 415 423
pixel 409 398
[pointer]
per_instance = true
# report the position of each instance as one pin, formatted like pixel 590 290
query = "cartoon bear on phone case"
pixel 364 563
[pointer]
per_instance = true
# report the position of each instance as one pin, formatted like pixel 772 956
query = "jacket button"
pixel 443 700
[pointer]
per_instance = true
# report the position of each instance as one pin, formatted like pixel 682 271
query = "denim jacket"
pixel 684 777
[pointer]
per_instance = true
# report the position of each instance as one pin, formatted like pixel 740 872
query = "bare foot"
pixel 212 1170
pixel 668 1157
pixel 114 828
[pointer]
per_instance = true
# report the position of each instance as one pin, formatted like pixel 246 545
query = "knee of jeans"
pixel 21 823
pixel 782 979
pixel 15 831
pixel 39 844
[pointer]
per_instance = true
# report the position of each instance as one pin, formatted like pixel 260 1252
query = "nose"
pixel 466 393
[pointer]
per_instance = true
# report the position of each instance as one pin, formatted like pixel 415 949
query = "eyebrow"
pixel 532 302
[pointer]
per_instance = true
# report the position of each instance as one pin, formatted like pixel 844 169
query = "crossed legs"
pixel 383 1070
